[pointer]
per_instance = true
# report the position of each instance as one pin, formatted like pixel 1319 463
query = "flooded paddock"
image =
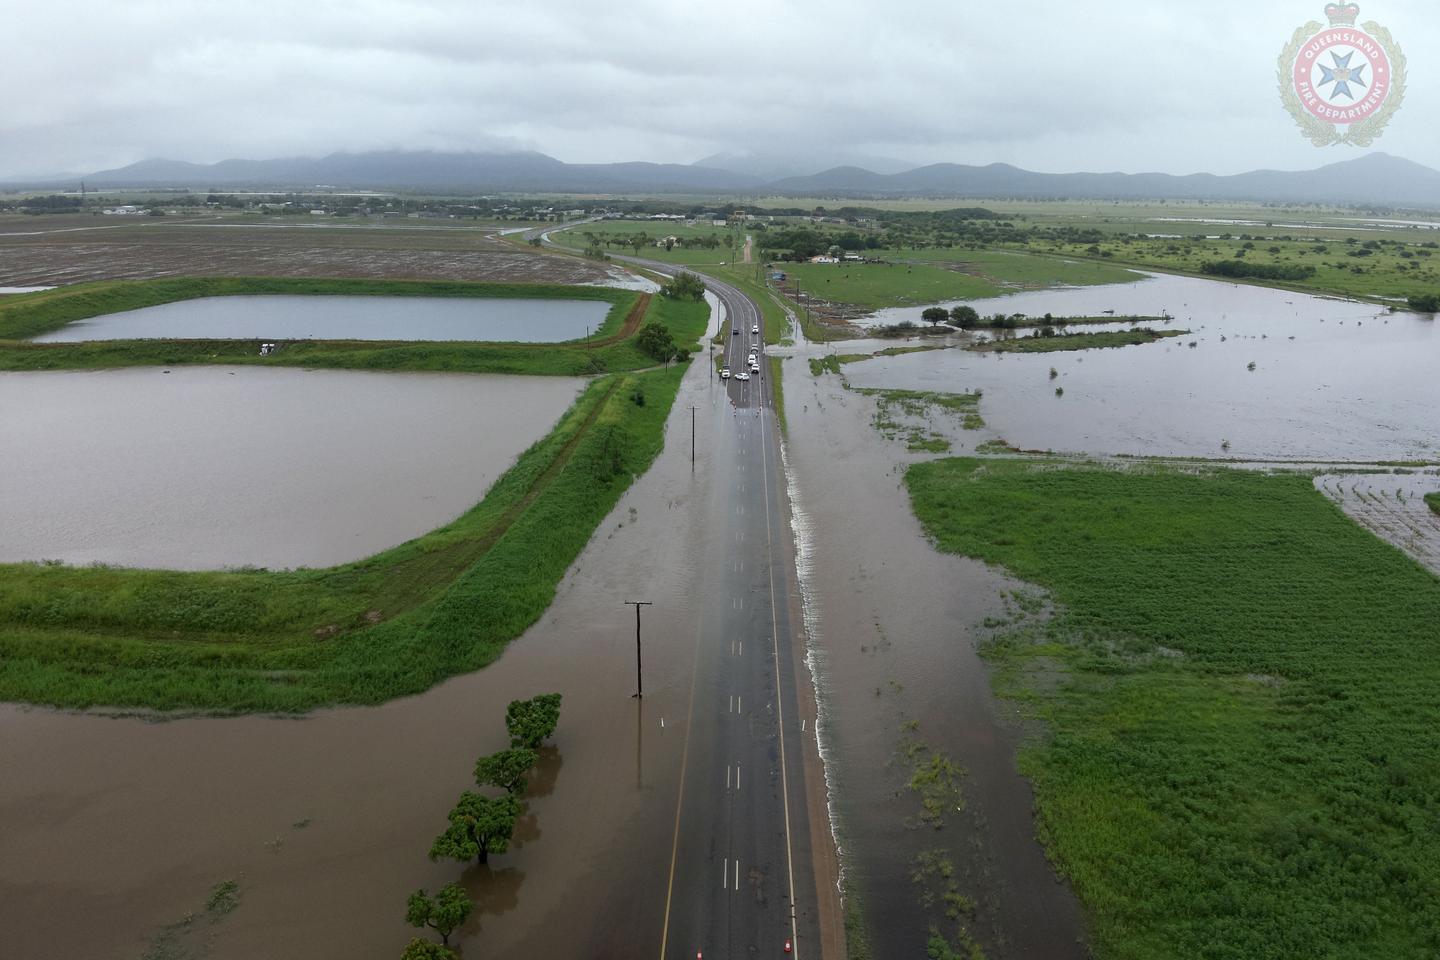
pixel 209 467
pixel 324 822
pixel 1331 379
pixel 281 317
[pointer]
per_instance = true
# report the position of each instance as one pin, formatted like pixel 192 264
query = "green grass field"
pixel 1434 500
pixel 386 626
pixel 1239 689
pixel 874 286
pixel 606 350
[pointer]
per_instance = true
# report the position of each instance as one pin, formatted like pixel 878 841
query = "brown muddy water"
pixel 209 467
pixel 114 830
pixel 893 627
pixel 1332 379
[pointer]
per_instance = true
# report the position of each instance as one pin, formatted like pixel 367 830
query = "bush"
pixel 1426 303
pixel 685 286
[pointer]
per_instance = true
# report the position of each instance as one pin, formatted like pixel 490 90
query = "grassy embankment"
pixel 1434 500
pixel 610 348
pixel 1239 687
pixel 389 625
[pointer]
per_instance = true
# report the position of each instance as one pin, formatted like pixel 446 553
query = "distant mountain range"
pixel 1376 179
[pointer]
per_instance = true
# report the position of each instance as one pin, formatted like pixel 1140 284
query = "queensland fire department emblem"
pixel 1342 83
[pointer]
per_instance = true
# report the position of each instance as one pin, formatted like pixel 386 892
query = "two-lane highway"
pixel 742 882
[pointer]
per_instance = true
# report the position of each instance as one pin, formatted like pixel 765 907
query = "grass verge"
pixel 1434 500
pixel 777 391
pixel 392 624
pixel 1238 688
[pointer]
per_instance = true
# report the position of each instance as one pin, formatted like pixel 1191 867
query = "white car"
pixel 755 329
pixel 742 375
pixel 724 373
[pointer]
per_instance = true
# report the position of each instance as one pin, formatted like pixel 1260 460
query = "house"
pixel 822 258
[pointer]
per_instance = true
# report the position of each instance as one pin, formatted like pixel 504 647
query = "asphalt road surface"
pixel 741 881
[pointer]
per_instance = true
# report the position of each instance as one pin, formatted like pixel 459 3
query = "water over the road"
pixel 1332 379
pixel 209 467
pixel 280 317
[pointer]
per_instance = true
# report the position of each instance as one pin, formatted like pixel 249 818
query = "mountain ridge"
pixel 1376 178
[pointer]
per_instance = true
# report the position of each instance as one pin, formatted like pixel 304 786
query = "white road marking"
pixel 727 776
pixel 737 873
pixel 724 872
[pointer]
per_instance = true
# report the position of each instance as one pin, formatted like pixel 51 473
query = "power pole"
pixel 639 681
pixel 692 437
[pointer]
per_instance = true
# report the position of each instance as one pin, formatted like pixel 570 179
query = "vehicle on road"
pixel 724 373
pixel 734 331
pixel 742 375
pixel 755 329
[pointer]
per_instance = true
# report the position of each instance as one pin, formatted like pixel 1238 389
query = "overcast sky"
pixel 1052 86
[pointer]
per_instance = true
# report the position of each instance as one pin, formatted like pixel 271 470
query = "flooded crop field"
pixel 60 250
pixel 1263 374
pixel 346 318
pixel 202 468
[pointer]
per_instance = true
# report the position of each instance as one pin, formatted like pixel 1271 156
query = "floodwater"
pixel 893 627
pixel 1332 379
pixel 208 467
pixel 346 318
pixel 114 828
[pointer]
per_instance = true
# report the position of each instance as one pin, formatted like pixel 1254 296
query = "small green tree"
pixel 685 286
pixel 422 949
pixel 507 768
pixel 965 316
pixel 638 240
pixel 531 721
pixel 655 341
pixel 479 826
pixel 935 315
pixel 442 913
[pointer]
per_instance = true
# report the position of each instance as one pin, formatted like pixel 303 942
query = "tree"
pixel 531 721
pixel 638 240
pixel 534 241
pixel 684 286
pixel 935 315
pixel 965 316
pixel 479 826
pixel 655 341
pixel 442 913
pixel 669 244
pixel 507 768
pixel 422 949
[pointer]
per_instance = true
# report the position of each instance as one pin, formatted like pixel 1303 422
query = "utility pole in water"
pixel 639 681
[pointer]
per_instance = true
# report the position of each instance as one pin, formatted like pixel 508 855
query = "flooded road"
pixel 325 821
pixel 893 628
pixel 280 317
pixel 208 467
pixel 1331 379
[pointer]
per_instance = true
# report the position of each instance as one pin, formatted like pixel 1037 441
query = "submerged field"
pixel 391 624
pixel 1237 685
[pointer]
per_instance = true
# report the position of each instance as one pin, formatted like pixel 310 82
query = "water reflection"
pixel 345 318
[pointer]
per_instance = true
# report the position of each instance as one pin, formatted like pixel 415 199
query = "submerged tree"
pixel 479 826
pixel 442 913
pixel 422 949
pixel 965 317
pixel 935 315
pixel 531 721
pixel 506 769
